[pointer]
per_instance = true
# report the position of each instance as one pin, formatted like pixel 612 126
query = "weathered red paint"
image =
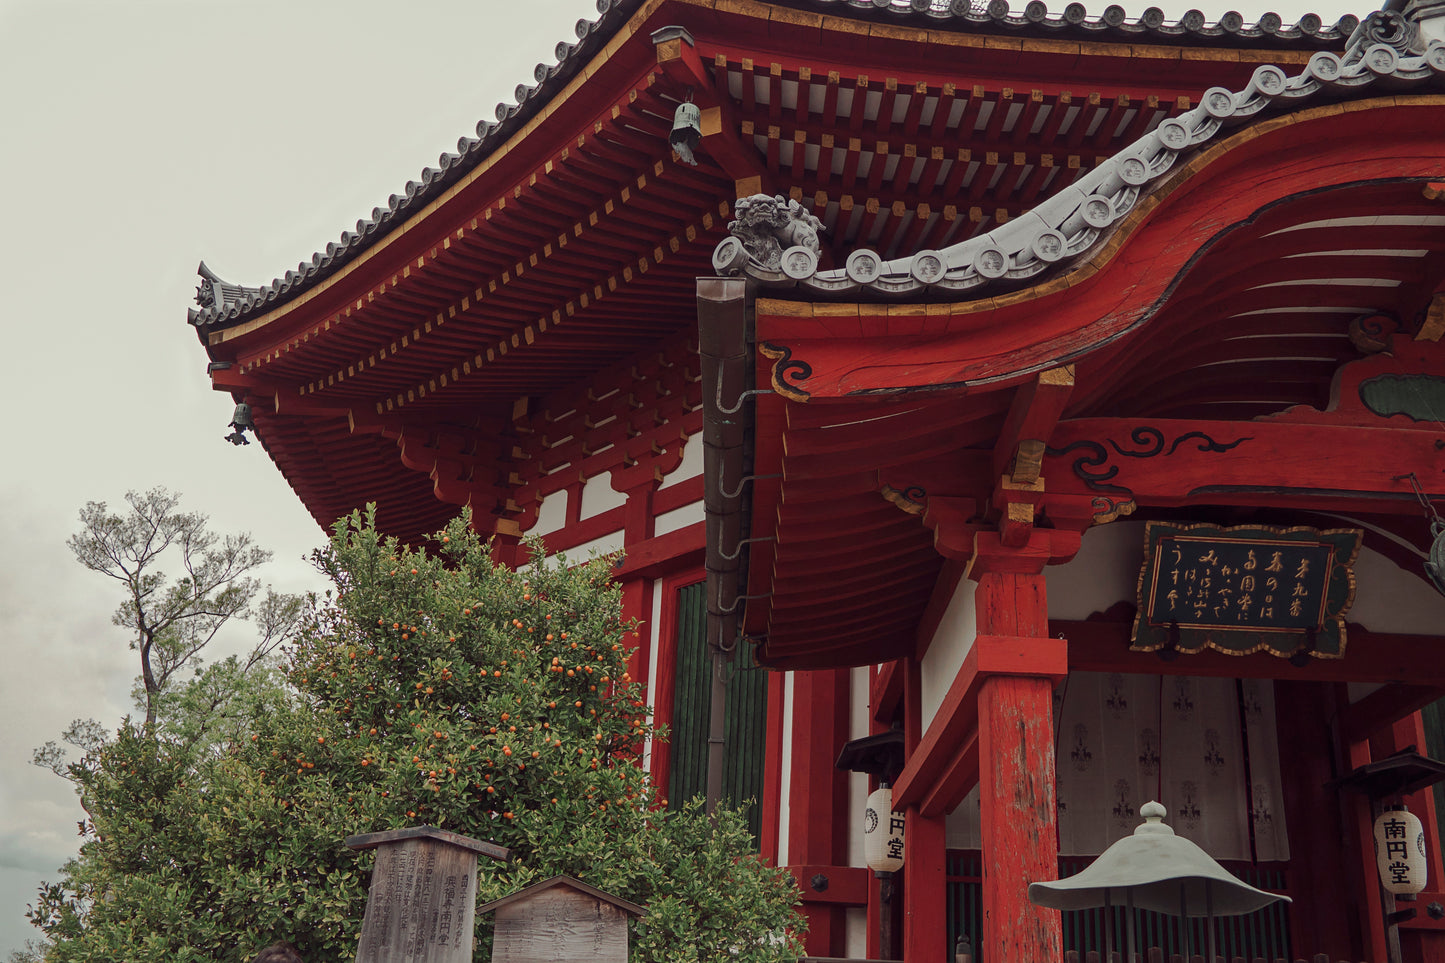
pixel 1016 797
pixel 1016 763
pixel 925 916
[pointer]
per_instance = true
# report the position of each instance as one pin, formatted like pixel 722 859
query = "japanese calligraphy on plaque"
pixel 559 920
pixel 1243 589
pixel 422 897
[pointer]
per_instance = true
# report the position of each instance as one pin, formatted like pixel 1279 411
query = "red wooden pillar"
pixel 1016 766
pixel 925 852
pixel 818 802
pixel 636 592
pixel 1372 914
pixel 1421 939
pixel 925 889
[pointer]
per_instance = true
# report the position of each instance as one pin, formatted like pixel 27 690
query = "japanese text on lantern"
pixel 1397 852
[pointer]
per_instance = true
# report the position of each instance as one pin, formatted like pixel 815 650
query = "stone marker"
pixel 423 894
pixel 560 919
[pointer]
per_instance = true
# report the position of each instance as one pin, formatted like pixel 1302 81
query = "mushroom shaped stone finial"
pixel 1153 813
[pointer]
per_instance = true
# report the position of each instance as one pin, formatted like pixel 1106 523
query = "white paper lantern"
pixel 882 833
pixel 1400 852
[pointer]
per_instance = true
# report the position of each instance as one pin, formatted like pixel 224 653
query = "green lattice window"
pixel 746 713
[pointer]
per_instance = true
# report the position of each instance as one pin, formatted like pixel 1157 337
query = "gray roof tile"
pixel 222 304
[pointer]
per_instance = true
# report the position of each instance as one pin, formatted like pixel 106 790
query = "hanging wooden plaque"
pixel 1245 589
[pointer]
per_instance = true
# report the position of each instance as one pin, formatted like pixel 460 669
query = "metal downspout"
pixel 723 322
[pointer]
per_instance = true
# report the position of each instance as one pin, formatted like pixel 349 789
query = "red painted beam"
pixel 957 716
pixel 1103 646
pixel 1259 463
pixel 846 886
pixel 1384 707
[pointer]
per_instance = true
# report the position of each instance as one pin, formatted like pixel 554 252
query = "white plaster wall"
pixel 551 515
pixel 858 781
pixel 1389 599
pixel 691 465
pixel 855 932
pixel 678 518
pixel 1105 571
pixel 651 696
pixel 950 646
pixel 785 794
pixel 961 827
pixel 598 496
pixel 598 546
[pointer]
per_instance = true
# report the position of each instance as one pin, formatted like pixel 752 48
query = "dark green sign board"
pixel 1243 589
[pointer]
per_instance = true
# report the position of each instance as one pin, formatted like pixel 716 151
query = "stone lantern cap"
pixel 1155 870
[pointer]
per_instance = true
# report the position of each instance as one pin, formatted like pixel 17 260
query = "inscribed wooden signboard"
pixel 560 919
pixel 1245 589
pixel 423 895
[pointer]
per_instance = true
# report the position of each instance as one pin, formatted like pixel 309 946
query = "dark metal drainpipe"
pixel 722 322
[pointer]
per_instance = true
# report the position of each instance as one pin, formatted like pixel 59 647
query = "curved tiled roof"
pixel 1385 53
pixel 223 304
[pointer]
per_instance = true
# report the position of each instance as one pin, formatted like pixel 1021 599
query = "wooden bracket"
pixel 944 768
pixel 1036 409
pixel 948 518
pixel 1016 502
pixel 1042 547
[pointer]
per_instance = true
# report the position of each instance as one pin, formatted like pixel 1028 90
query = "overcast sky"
pixel 137 138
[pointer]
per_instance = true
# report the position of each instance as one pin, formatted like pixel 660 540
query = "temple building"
pixel 1037 411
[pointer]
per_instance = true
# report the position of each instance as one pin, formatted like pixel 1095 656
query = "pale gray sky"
pixel 136 139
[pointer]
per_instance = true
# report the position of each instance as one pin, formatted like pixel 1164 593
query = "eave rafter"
pixel 872 156
pixel 441 284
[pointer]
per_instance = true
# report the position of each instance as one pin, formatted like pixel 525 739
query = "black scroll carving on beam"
pixel 784 367
pixel 1153 441
pixel 1093 465
pixel 1090 466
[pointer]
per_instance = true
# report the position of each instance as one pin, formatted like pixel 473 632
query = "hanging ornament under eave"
pixel 1435 565
pixel 882 833
pixel 1435 561
pixel 1400 851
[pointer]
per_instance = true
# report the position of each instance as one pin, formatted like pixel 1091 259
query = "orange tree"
pixel 430 688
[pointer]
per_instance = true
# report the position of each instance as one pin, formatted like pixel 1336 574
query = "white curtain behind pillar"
pixel 1126 739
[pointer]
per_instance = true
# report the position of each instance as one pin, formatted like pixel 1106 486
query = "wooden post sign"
pixel 423 895
pixel 1243 589
pixel 560 920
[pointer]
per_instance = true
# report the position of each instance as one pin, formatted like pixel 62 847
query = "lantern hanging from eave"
pixel 882 833
pixel 1400 851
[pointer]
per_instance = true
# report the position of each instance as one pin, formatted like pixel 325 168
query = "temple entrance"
pixel 1208 749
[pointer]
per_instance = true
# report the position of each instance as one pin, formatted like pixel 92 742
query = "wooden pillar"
pixel 925 888
pixel 1372 914
pixel 1321 873
pixel 818 803
pixel 1016 766
pixel 1421 939
pixel 924 892
pixel 637 592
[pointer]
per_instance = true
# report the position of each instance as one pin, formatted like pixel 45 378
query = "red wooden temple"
pixel 963 320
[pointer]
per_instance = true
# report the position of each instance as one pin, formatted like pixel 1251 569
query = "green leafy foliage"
pixel 430 689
